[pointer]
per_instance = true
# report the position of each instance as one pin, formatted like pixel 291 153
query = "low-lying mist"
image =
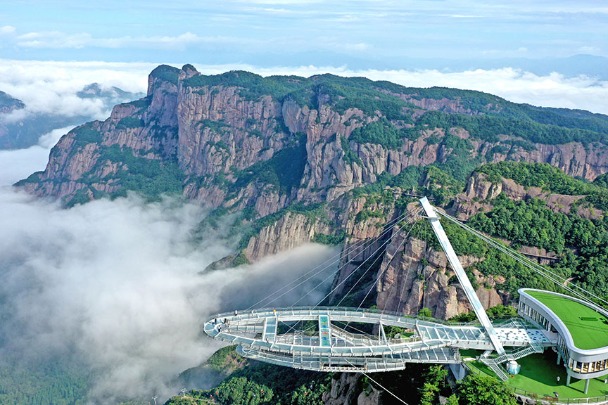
pixel 116 285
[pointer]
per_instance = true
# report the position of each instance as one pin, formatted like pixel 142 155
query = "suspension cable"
pixel 355 270
pixel 517 256
pixel 385 232
pixel 379 385
pixel 382 271
pixel 379 237
pixel 322 266
pixel 373 263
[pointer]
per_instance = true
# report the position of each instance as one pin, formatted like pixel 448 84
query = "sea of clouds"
pixel 118 283
pixel 116 286
pixel 51 87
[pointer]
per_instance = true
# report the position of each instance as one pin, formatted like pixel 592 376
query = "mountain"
pixel 8 103
pixel 310 159
pixel 331 160
pixel 242 141
pixel 24 131
pixel 109 96
pixel 549 216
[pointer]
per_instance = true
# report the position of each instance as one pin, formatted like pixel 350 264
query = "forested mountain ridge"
pixel 238 140
pixel 296 157
pixel 315 159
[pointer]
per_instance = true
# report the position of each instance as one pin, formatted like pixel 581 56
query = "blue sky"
pixel 356 33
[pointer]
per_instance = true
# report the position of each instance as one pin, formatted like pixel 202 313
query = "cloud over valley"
pixel 52 87
pixel 116 285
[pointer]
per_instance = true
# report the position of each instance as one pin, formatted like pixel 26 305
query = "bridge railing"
pixel 346 310
pixel 533 397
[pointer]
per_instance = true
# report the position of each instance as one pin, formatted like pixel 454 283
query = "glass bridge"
pixel 273 335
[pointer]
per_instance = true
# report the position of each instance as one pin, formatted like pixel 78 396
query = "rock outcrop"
pixel 345 390
pixel 275 147
pixel 239 140
pixel 480 191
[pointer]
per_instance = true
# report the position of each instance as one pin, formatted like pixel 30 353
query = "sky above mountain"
pixel 452 34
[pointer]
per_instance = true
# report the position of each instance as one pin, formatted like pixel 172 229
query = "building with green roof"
pixel 581 329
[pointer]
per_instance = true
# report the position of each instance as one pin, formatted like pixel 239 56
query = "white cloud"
pixel 117 285
pixel 164 42
pixel 591 50
pixel 118 282
pixel 19 164
pixel 7 29
pixel 62 40
pixel 51 87
pixel 279 2
pixel 53 39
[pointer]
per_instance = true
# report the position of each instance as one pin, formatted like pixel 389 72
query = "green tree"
pixel 452 400
pixel 425 312
pixel 428 394
pixel 477 389
pixel 435 382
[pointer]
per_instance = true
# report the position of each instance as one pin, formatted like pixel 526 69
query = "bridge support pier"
pixel 458 370
pixel 586 385
pixel 559 357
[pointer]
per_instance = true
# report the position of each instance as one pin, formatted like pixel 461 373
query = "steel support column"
pixel 462 276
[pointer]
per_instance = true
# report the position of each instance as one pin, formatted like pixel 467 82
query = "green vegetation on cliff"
pixel 551 179
pixel 381 132
pixel 256 383
pixel 166 73
pixel 541 175
pixel 531 223
pixel 283 171
pixel 483 115
pixel 150 178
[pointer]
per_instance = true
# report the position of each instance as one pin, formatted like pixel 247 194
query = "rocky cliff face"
pixel 280 145
pixel 480 191
pixel 239 140
pixel 344 391
pixel 413 276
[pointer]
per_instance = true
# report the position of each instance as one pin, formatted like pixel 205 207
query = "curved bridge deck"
pixel 326 345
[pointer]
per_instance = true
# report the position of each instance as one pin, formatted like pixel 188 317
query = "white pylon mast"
pixel 462 276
